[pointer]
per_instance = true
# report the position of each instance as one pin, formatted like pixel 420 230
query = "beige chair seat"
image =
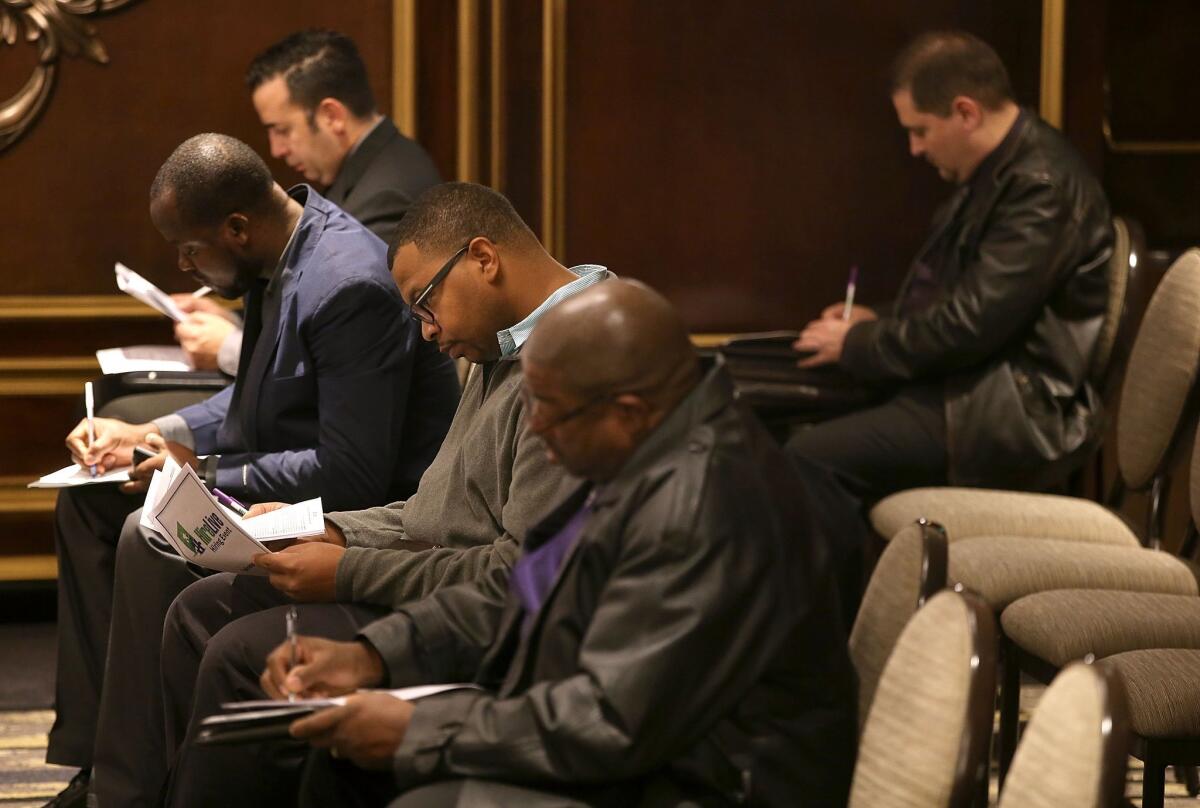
pixel 1004 568
pixel 1162 688
pixel 1065 625
pixel 971 512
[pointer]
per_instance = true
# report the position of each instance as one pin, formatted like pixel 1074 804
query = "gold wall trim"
pixel 467 150
pixel 56 28
pixel 74 307
pixel 1054 16
pixel 16 498
pixel 1146 146
pixel 28 568
pixel 404 66
pixel 497 128
pixel 46 375
pixel 554 117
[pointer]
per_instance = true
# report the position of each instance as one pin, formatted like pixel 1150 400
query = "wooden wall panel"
pixel 741 156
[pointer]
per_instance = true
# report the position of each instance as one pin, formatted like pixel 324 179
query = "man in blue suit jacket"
pixel 336 396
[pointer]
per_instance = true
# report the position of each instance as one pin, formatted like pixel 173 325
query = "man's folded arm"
pixel 997 297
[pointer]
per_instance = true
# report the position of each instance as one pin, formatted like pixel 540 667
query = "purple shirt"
pixel 535 572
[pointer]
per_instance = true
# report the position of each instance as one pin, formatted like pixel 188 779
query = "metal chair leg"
pixel 1188 776
pixel 1153 782
pixel 1010 708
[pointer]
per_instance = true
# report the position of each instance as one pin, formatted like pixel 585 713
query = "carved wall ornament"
pixel 55 27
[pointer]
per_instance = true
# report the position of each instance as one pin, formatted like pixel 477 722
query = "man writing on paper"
pixel 310 91
pixel 480 281
pixel 669 635
pixel 987 350
pixel 336 396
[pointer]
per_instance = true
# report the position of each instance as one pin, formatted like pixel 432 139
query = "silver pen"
pixel 291 640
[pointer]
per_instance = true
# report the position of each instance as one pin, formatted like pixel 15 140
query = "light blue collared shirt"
pixel 511 339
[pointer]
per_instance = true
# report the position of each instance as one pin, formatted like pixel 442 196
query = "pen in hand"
pixel 202 291
pixel 850 284
pixel 89 403
pixel 291 639
pixel 229 502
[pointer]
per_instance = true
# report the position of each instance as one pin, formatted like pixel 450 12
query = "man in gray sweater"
pixel 478 279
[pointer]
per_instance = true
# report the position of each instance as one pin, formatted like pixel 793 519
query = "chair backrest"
pixel 1074 749
pixel 926 738
pixel 1162 370
pixel 911 569
pixel 1123 256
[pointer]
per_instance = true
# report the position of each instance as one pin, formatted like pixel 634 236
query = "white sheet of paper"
pixel 161 479
pixel 200 530
pixel 302 519
pixel 136 286
pixel 404 693
pixel 74 475
pixel 142 357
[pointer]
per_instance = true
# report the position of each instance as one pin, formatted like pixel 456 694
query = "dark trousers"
pixel 116 581
pixel 883 449
pixel 215 642
pixel 337 782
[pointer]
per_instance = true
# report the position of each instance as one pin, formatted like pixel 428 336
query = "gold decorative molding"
pixel 1054 15
pixel 498 111
pixel 46 375
pixel 554 118
pixel 16 498
pixel 74 307
pixel 56 27
pixel 28 568
pixel 404 66
pixel 468 91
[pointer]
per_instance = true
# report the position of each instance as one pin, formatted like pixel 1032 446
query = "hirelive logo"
pixel 210 527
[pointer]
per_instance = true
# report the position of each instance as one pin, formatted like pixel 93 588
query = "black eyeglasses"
pixel 418 307
pixel 545 426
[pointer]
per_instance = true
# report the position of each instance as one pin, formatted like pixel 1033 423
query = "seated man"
pixel 312 95
pixel 669 636
pixel 986 352
pixel 336 396
pixel 478 279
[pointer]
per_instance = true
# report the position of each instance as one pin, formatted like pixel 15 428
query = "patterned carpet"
pixel 27 782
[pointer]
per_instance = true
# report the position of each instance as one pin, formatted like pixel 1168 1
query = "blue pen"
pixel 229 502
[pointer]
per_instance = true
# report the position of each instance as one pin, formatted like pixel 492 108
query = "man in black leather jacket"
pixel 669 636
pixel 986 352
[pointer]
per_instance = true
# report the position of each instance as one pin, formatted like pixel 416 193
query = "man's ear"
pixel 967 111
pixel 332 114
pixel 236 229
pixel 482 251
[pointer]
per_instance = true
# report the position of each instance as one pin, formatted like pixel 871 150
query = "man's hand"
pixel 263 507
pixel 139 476
pixel 323 668
pixel 201 335
pixel 189 304
pixel 113 446
pixel 825 339
pixel 367 730
pixel 858 314
pixel 306 571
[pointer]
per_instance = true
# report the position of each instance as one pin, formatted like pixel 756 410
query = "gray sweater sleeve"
pixel 372 527
pixel 392 577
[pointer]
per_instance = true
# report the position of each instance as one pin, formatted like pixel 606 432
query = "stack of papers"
pixel 74 475
pixel 180 509
pixel 135 285
pixel 143 358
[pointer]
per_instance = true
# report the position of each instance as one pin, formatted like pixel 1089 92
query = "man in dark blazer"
pixel 669 635
pixel 310 91
pixel 336 396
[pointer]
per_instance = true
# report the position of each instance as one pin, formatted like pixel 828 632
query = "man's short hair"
pixel 938 66
pixel 213 176
pixel 316 64
pixel 447 216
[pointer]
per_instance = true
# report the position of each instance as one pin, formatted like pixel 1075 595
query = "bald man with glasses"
pixel 478 280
